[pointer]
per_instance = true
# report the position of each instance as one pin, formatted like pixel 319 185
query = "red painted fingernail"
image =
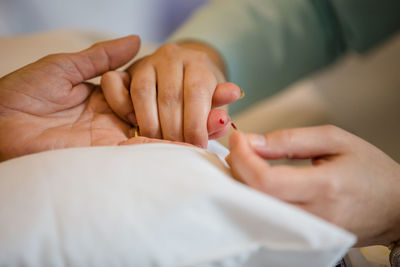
pixel 233 126
pixel 222 121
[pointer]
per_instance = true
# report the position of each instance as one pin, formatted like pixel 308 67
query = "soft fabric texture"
pixel 150 205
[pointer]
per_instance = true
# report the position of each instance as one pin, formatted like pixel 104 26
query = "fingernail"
pixel 242 94
pixel 256 140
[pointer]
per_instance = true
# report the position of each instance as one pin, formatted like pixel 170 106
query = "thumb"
pixel 97 59
pixel 300 143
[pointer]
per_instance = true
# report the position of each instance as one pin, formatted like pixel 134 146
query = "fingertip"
pixel 234 139
pixel 133 38
pixel 234 89
pixel 246 166
pixel 217 120
pixel 226 93
pixel 239 146
pixel 107 78
pixel 130 36
pixel 118 52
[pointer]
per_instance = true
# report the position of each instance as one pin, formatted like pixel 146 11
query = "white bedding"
pixel 150 205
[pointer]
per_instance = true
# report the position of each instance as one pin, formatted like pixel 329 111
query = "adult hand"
pixel 48 105
pixel 173 92
pixel 351 183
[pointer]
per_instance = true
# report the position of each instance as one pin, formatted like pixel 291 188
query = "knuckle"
pixel 197 90
pixel 54 57
pixel 169 95
pixel 201 57
pixel 142 89
pixel 62 60
pixel 142 63
pixel 168 49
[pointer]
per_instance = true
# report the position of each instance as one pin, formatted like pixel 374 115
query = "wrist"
pixel 212 53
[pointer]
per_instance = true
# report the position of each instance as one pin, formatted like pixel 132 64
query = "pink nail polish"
pixel 222 121
pixel 233 126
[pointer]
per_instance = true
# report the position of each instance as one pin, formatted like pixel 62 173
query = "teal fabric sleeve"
pixel 267 44
pixel 365 23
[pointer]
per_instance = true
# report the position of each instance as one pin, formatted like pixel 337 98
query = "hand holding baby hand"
pixel 351 183
pixel 170 94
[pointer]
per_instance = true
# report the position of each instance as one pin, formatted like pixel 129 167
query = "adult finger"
pixel 170 99
pixel 144 98
pixel 300 142
pixel 226 93
pixel 97 59
pixel 286 183
pixel 70 70
pixel 199 86
pixel 115 86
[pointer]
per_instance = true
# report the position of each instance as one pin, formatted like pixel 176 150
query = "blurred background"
pixel 153 20
pixel 360 93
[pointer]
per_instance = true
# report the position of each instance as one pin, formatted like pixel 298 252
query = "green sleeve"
pixel 366 23
pixel 268 44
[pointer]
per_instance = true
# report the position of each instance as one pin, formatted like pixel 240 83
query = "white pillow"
pixel 150 205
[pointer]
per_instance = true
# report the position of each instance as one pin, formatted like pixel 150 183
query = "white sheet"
pixel 150 205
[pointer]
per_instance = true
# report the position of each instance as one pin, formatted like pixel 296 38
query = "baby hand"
pixel 172 94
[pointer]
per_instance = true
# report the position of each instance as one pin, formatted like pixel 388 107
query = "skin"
pixel 48 105
pixel 172 93
pixel 350 183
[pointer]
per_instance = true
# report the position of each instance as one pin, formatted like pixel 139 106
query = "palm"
pixel 88 124
pixel 46 105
